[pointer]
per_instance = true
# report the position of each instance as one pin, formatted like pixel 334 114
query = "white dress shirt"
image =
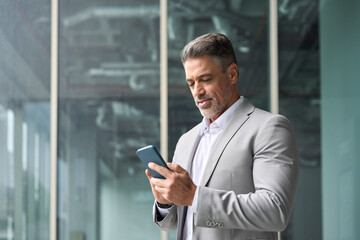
pixel 209 134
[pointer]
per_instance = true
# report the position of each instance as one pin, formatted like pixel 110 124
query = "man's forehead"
pixel 200 64
pixel 204 75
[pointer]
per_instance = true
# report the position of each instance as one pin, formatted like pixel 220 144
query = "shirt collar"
pixel 223 120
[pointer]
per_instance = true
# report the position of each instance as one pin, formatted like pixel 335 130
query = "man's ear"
pixel 232 72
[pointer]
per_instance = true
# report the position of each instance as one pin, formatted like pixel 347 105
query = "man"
pixel 234 175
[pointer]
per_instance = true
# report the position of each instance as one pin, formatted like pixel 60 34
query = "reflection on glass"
pixel 340 118
pixel 109 107
pixel 299 86
pixel 24 119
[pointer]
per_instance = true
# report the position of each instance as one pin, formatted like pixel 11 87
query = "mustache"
pixel 202 97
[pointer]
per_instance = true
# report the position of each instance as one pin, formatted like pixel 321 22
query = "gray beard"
pixel 215 110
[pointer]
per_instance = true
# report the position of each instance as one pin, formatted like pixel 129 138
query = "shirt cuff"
pixel 163 211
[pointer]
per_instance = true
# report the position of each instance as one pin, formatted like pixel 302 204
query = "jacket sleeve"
pixel 169 222
pixel 275 173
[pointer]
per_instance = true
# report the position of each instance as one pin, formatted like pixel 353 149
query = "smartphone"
pixel 150 154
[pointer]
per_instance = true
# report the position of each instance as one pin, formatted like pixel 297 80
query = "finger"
pixel 148 174
pixel 158 182
pixel 160 190
pixel 176 168
pixel 160 169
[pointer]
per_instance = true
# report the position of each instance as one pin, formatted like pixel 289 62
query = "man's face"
pixel 212 89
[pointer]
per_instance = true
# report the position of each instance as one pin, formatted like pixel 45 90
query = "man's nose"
pixel 198 89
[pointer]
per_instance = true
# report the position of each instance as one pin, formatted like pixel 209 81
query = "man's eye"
pixel 190 84
pixel 206 80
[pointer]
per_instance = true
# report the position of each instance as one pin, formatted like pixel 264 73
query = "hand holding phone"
pixel 150 154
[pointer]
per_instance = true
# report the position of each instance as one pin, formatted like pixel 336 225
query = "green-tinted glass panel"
pixel 299 100
pixel 24 119
pixel 108 108
pixel 340 114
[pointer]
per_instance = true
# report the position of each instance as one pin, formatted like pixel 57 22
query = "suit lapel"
pixel 191 141
pixel 184 159
pixel 241 114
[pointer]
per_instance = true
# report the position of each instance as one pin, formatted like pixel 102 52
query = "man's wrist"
pixel 160 205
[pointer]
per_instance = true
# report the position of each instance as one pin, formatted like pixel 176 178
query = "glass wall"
pixel 299 101
pixel 340 118
pixel 24 119
pixel 108 108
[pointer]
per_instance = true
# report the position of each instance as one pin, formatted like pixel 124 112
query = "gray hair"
pixel 216 45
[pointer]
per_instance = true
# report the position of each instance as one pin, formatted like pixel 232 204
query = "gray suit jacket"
pixel 249 182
